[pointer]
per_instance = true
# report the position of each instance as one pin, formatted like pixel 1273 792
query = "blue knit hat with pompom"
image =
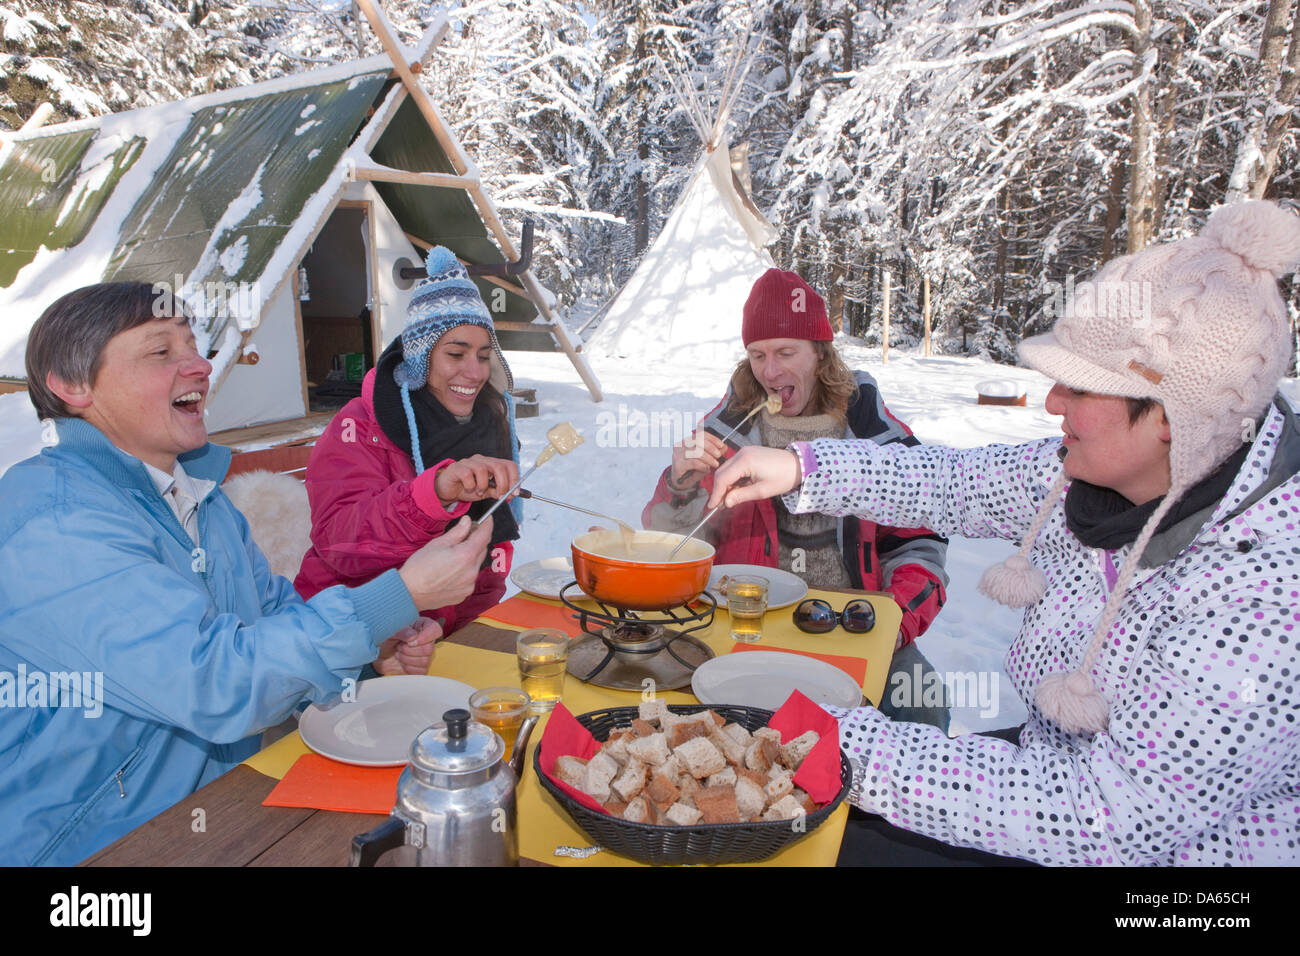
pixel 447 299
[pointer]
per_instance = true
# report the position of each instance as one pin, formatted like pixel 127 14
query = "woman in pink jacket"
pixel 428 442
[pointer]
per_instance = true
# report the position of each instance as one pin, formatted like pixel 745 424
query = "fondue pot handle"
pixel 368 847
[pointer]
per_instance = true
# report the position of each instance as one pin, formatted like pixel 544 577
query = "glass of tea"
pixel 502 709
pixel 543 654
pixel 746 605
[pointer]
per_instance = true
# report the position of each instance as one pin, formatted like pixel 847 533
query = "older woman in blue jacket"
pixel 123 565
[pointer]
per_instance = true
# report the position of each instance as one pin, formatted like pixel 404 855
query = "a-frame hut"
pixel 283 214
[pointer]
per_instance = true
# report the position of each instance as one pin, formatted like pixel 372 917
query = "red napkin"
pixel 322 784
pixel 524 611
pixel 566 737
pixel 819 774
pixel 855 667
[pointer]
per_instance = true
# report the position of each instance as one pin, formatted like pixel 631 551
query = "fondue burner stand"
pixel 622 649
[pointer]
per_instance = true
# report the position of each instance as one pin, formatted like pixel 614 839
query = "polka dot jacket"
pixel 1200 763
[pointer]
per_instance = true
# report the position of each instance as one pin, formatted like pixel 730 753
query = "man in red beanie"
pixel 787 338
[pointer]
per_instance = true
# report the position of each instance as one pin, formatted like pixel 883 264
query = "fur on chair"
pixel 278 514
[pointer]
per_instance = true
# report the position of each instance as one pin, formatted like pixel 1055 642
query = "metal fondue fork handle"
pixel 513 488
pixel 525 493
pixel 682 543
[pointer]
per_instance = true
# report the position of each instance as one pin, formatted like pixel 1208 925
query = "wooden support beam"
pixel 461 164
pixel 385 174
pixel 384 31
pixel 495 280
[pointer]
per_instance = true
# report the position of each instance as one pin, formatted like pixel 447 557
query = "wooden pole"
pixel 884 341
pixel 386 174
pixel 926 294
pixel 461 164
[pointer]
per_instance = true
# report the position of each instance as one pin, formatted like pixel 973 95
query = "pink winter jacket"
pixel 365 519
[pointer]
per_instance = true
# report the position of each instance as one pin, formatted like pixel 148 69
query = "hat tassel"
pixel 1073 702
pixel 1014 582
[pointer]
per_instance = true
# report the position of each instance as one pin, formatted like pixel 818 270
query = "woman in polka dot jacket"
pixel 1159 567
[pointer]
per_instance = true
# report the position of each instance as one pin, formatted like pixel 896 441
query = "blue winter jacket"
pixel 197 649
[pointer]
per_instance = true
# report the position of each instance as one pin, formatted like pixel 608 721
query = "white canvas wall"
pixel 683 303
pixel 391 244
pixel 271 390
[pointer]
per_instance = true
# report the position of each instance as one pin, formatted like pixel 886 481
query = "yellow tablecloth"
pixel 543 824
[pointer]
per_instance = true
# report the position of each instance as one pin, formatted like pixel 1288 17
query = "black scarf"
pixel 441 436
pixel 1102 518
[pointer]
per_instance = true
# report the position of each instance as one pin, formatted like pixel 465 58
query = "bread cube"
pixel 679 814
pixel 701 757
pixel 794 753
pixel 631 781
pixel 571 770
pixel 652 750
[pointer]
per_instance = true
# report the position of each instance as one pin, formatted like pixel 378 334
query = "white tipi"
pixel 685 298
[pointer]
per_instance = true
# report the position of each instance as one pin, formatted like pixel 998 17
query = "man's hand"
pixel 475 478
pixel 410 649
pixel 695 457
pixel 445 570
pixel 771 472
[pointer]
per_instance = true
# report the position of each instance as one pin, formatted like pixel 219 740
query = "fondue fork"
pixel 561 439
pixel 682 543
pixel 773 405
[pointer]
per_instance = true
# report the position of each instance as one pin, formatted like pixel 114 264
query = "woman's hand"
pixel 771 471
pixel 695 457
pixel 445 570
pixel 410 650
pixel 476 478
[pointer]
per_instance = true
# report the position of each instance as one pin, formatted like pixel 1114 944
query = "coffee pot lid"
pixel 456 745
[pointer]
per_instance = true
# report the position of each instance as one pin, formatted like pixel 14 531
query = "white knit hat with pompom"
pixel 1210 349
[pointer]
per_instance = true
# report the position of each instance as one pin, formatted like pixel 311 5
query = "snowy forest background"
pixel 985 149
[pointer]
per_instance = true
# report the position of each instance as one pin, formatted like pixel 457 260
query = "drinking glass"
pixel 543 654
pixel 746 605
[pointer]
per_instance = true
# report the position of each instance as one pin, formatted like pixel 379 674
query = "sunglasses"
pixel 816 616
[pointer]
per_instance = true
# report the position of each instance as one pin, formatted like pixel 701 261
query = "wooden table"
pixel 225 824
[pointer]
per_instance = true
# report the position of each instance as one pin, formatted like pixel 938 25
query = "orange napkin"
pixel 322 784
pixel 523 611
pixel 855 667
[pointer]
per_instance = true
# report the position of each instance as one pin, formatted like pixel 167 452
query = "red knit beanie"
pixel 783 306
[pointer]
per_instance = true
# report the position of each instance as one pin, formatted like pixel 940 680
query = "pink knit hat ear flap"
pixel 1072 701
pixel 1015 582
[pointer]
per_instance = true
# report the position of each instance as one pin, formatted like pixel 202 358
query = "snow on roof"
pixel 153 133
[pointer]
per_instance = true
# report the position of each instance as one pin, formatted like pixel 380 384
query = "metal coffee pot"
pixel 455 800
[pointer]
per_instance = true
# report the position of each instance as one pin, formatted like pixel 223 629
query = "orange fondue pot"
pixel 641 579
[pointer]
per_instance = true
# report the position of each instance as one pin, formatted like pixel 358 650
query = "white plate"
pixel 377 728
pixel 783 588
pixel 544 578
pixel 766 678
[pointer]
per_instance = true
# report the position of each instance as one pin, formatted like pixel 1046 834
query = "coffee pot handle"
pixel 521 745
pixel 368 847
